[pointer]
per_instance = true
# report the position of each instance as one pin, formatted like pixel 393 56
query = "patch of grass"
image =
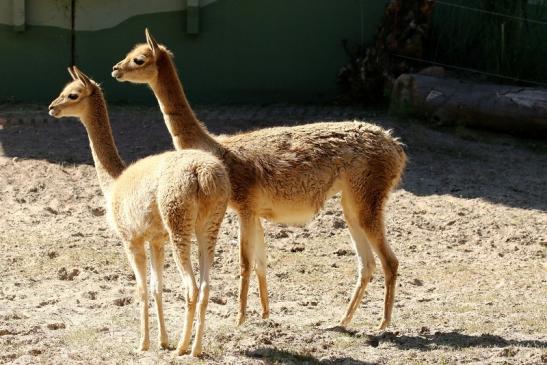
pixel 81 336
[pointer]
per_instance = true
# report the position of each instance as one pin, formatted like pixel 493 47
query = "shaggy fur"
pixel 166 196
pixel 285 174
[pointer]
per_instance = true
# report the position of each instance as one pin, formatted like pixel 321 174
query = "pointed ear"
pixel 151 42
pixel 81 76
pixel 72 74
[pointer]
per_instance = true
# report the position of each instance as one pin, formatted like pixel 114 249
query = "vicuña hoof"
pixel 164 344
pixel 182 350
pixel 265 315
pixel 144 346
pixel 240 319
pixel 196 352
pixel 345 322
pixel 383 325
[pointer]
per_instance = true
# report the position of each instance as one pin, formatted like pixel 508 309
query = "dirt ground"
pixel 468 224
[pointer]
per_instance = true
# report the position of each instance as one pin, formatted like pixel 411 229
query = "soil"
pixel 468 224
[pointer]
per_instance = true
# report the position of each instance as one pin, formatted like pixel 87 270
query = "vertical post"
pixel 192 16
pixel 19 15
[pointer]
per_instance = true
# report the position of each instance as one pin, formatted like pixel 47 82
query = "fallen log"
pixel 447 101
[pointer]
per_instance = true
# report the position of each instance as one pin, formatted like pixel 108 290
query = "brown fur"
pixel 166 196
pixel 285 174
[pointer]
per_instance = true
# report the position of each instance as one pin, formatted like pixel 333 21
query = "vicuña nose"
pixel 50 107
pixel 115 67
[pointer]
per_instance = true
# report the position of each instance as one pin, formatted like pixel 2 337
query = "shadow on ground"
pixel 283 356
pixel 426 341
pixel 455 340
pixel 500 169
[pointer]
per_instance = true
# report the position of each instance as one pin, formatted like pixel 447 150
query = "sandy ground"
pixel 469 225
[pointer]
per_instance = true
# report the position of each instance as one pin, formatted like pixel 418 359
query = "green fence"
pixel 226 50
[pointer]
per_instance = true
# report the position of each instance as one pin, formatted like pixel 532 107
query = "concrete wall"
pixel 244 50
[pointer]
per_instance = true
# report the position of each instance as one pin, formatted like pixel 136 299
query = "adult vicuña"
pixel 166 196
pixel 285 174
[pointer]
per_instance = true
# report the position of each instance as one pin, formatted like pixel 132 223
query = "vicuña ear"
pixel 151 42
pixel 72 74
pixel 81 76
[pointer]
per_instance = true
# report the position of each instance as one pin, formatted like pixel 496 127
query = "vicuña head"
pixel 140 64
pixel 74 100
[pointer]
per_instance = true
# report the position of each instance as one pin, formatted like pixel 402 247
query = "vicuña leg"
pixel 137 258
pixel 376 235
pixel 251 251
pixel 206 237
pixel 365 258
pixel 261 262
pixel 157 258
pixel 182 258
pixel 366 201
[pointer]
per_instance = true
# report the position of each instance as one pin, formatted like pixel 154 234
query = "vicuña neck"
pixel 185 129
pixel 107 160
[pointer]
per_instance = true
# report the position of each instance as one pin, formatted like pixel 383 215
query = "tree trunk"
pixel 520 110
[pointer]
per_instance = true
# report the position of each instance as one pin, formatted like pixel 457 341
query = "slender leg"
pixel 260 268
pixel 206 242
pixel 137 258
pixel 365 260
pixel 157 253
pixel 252 251
pixel 181 245
pixel 376 235
pixel 246 262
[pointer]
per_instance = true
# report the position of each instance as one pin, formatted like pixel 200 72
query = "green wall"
pixel 245 51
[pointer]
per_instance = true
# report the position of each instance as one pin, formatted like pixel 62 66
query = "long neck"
pixel 107 160
pixel 185 129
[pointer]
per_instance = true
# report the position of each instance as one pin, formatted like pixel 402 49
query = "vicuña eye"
pixel 138 61
pixel 73 96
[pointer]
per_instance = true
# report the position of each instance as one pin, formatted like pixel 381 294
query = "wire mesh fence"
pixel 502 39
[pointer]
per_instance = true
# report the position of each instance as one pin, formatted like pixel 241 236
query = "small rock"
pixel 111 277
pixel 338 223
pixel 98 211
pixel 424 330
pixel 417 282
pixel 219 300
pixel 297 249
pixel 35 352
pixel 120 302
pixel 92 295
pixel 508 352
pixel 4 332
pixel 52 210
pixel 56 326
pixel 282 233
pixel 342 252
pixel 52 254
pixel 63 274
pixel 311 303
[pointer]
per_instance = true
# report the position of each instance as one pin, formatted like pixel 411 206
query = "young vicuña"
pixel 163 197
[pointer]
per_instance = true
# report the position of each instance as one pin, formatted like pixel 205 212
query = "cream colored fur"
pixel 162 197
pixel 285 174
